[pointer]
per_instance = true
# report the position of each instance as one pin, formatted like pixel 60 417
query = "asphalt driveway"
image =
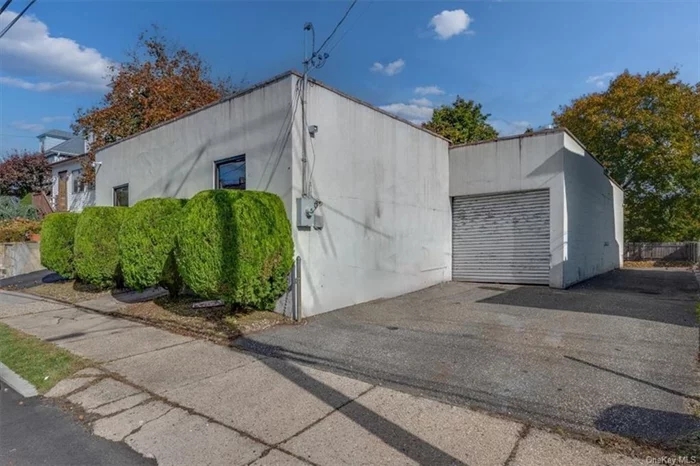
pixel 614 354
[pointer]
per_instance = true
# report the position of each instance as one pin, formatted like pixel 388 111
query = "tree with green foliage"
pixel 461 122
pixel 645 129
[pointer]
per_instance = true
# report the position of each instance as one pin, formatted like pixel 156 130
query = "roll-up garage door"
pixel 501 238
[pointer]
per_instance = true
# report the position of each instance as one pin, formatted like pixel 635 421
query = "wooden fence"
pixel 687 251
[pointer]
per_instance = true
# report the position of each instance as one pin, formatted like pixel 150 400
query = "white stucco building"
pixel 533 208
pixel 370 196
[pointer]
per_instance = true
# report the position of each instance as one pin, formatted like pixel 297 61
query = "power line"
pixel 12 23
pixel 335 29
pixel 357 20
pixel 5 5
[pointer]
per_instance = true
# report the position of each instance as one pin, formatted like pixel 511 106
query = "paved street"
pixel 614 354
pixel 37 432
pixel 187 401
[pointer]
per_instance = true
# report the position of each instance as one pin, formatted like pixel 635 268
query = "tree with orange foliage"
pixel 158 83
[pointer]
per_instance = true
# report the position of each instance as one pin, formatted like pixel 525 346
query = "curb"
pixel 17 383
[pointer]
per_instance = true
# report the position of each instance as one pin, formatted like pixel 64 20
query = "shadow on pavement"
pixel 391 434
pixel 29 280
pixel 647 424
pixel 636 379
pixel 653 295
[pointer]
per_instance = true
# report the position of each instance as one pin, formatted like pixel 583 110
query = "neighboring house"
pixel 371 197
pixel 65 153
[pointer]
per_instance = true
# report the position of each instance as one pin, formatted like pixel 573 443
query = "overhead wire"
pixel 349 28
pixel 16 18
pixel 335 29
pixel 5 5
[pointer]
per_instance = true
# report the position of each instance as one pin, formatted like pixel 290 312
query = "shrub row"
pixel 230 245
pixel 56 246
pixel 236 246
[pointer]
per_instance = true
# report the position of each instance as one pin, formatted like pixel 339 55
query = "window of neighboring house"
pixel 230 173
pixel 78 185
pixel 121 196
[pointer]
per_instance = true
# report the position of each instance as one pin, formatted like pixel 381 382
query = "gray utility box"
pixel 307 218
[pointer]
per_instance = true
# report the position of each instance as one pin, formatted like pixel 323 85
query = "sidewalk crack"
pixel 521 436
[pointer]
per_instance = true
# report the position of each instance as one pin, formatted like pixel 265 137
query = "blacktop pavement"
pixel 615 354
pixel 186 401
pixel 34 432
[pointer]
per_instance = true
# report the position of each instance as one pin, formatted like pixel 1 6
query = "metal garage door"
pixel 501 237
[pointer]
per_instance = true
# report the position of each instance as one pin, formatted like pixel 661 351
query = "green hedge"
pixel 96 245
pixel 56 246
pixel 236 246
pixel 147 244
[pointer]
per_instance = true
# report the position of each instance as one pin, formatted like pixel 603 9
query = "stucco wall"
pixel 19 258
pixel 76 201
pixel 383 184
pixel 517 164
pixel 595 216
pixel 177 159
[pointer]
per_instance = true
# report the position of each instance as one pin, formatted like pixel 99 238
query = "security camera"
pixel 313 129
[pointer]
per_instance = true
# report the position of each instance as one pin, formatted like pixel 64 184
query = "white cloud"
pixel 390 69
pixel 450 23
pixel 423 102
pixel 509 128
pixel 601 80
pixel 428 90
pixel 71 86
pixel 24 126
pixel 34 60
pixel 51 119
pixel 415 113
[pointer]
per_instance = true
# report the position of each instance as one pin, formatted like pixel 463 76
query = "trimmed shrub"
pixel 96 247
pixel 17 230
pixel 56 246
pixel 147 244
pixel 236 246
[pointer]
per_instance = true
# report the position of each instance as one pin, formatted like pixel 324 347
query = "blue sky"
pixel 519 59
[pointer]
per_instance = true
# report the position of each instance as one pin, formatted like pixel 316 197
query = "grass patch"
pixel 217 323
pixel 42 364
pixel 69 291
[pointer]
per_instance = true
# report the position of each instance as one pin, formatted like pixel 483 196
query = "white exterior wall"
pixel 595 216
pixel 518 164
pixel 48 142
pixel 76 201
pixel 383 184
pixel 177 159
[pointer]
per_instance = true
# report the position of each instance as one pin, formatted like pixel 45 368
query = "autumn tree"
pixel 24 172
pixel 157 83
pixel 645 129
pixel 461 122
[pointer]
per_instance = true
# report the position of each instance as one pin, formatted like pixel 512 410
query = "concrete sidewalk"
pixel 187 401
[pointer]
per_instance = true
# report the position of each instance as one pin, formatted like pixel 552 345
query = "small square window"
pixel 121 196
pixel 230 173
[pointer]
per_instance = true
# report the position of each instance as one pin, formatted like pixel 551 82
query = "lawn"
pixel 42 364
